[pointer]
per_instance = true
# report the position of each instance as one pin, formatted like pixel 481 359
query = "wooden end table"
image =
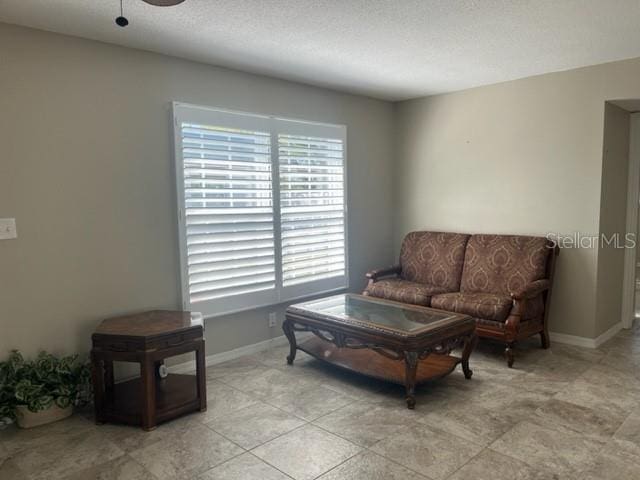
pixel 147 338
pixel 392 341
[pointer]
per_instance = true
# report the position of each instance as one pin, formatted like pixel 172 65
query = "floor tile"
pixel 628 435
pixel 64 456
pixel 254 425
pixel 429 396
pixel 554 451
pixel 4 453
pixel 613 463
pixel 622 361
pixel 541 380
pixel 266 382
pixel 567 413
pixel 365 424
pixel 244 467
pixel 369 466
pixel 511 404
pixel 612 377
pixel 310 403
pixel 490 465
pixel 358 387
pixel 187 455
pixel 122 468
pixel 476 424
pixel 494 370
pixel 10 471
pixel 15 439
pixel 623 343
pixel 597 425
pixel 130 438
pixel 558 351
pixel 307 452
pixel 428 451
pixel 277 357
pixel 223 400
pixel 246 364
pixel 459 388
pixel 603 388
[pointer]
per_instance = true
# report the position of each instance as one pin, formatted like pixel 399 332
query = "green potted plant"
pixel 42 390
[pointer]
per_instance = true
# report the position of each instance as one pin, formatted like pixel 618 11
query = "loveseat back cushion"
pixel 433 258
pixel 403 291
pixel 503 264
pixel 486 306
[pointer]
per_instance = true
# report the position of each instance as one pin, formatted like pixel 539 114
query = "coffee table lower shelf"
pixel 372 364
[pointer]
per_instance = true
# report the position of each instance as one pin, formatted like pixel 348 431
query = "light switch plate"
pixel 8 228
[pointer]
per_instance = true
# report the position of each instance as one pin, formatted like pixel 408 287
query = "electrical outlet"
pixel 272 319
pixel 8 228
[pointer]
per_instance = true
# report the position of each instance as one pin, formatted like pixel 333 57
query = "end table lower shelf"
pixel 175 395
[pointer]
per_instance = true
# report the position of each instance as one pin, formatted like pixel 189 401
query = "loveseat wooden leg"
pixel 509 355
pixel 544 338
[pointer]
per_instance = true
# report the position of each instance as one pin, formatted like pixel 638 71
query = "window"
pixel 261 207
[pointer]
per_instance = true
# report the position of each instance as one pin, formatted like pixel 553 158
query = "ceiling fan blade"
pixel 163 3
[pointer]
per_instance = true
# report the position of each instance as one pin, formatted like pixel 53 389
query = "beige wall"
pixel 86 169
pixel 517 157
pixel 613 216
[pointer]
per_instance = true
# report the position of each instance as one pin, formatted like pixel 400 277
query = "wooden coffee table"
pixel 392 341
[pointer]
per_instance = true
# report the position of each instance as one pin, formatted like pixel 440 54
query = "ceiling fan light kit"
pixel 122 21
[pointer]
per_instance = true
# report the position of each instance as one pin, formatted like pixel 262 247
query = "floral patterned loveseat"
pixel 503 281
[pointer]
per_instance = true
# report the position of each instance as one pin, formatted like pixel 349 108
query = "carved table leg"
pixel 411 367
pixel 201 376
pixel 108 376
pixel 287 326
pixel 148 385
pixel 97 373
pixel 469 344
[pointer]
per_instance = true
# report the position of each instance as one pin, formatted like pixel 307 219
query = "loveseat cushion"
pixel 403 291
pixel 433 258
pixel 480 305
pixel 503 264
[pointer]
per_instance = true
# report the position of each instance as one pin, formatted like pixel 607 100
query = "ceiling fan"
pixel 122 21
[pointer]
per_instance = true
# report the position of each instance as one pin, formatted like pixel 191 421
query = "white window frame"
pixel 273 124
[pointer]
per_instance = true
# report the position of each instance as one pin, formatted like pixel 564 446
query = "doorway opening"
pixel 631 282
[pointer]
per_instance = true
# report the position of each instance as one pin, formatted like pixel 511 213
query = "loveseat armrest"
pixel 532 290
pixel 374 275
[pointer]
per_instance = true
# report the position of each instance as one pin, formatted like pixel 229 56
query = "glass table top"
pixel 350 307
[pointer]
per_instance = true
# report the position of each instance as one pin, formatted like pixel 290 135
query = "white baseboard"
pixel 233 354
pixel 609 334
pixel 584 341
pixel 573 340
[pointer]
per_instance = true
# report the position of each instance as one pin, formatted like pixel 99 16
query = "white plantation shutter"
pixel 311 208
pixel 247 240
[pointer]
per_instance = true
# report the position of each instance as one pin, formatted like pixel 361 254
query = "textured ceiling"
pixel 382 48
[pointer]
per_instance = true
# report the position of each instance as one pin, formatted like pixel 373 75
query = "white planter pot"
pixel 29 419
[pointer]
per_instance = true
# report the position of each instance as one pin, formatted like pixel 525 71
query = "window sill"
pixel 266 305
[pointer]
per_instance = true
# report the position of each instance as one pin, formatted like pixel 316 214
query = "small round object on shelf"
pixel 163 371
pixel 122 21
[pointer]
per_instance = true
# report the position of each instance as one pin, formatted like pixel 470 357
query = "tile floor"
pixel 564 413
